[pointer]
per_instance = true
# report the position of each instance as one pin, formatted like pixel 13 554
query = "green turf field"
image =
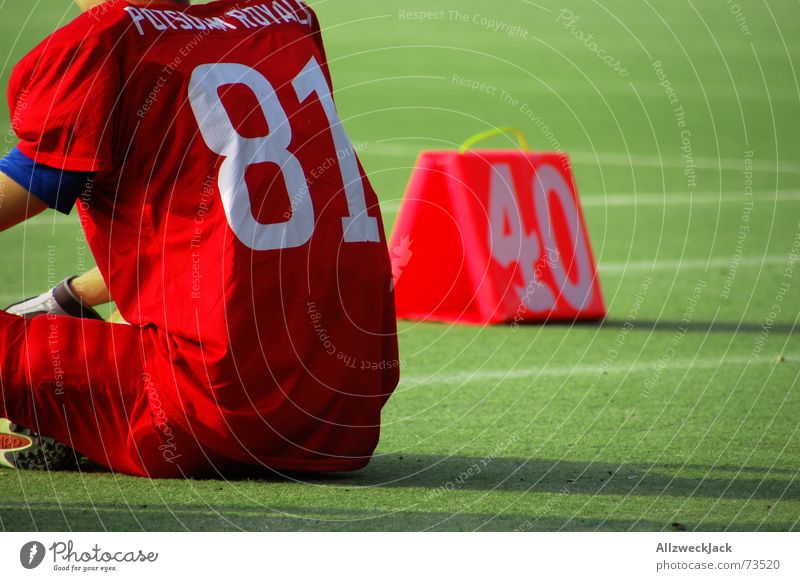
pixel 668 426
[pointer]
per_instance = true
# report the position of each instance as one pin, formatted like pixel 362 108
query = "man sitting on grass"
pixel 232 224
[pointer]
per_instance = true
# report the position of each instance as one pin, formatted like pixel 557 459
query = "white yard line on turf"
pixel 527 86
pixel 593 201
pixel 649 199
pixel 663 199
pixel 619 159
pixel 462 377
pixel 682 264
pixel 50 222
pixel 689 263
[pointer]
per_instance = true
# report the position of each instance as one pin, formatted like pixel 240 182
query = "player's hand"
pixel 59 300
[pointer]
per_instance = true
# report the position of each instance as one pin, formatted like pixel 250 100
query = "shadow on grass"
pixel 414 492
pixel 593 478
pixel 166 516
pixel 451 473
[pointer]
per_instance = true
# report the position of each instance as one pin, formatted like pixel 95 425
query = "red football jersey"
pixel 230 212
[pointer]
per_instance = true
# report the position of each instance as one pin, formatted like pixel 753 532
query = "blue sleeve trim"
pixel 55 187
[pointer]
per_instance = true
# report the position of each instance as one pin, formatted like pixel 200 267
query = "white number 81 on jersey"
pixel 241 152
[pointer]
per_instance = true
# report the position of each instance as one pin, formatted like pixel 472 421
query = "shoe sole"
pixel 23 449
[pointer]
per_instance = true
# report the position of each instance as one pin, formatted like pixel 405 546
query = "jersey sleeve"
pixel 63 99
pixel 55 187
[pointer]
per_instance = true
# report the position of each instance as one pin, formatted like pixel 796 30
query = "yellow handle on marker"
pixel 484 135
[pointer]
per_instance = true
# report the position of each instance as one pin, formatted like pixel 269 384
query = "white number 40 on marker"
pixel 510 242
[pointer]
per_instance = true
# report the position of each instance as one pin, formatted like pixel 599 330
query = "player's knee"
pixel 46 357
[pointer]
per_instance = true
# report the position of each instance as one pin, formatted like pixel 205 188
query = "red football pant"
pixel 85 384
